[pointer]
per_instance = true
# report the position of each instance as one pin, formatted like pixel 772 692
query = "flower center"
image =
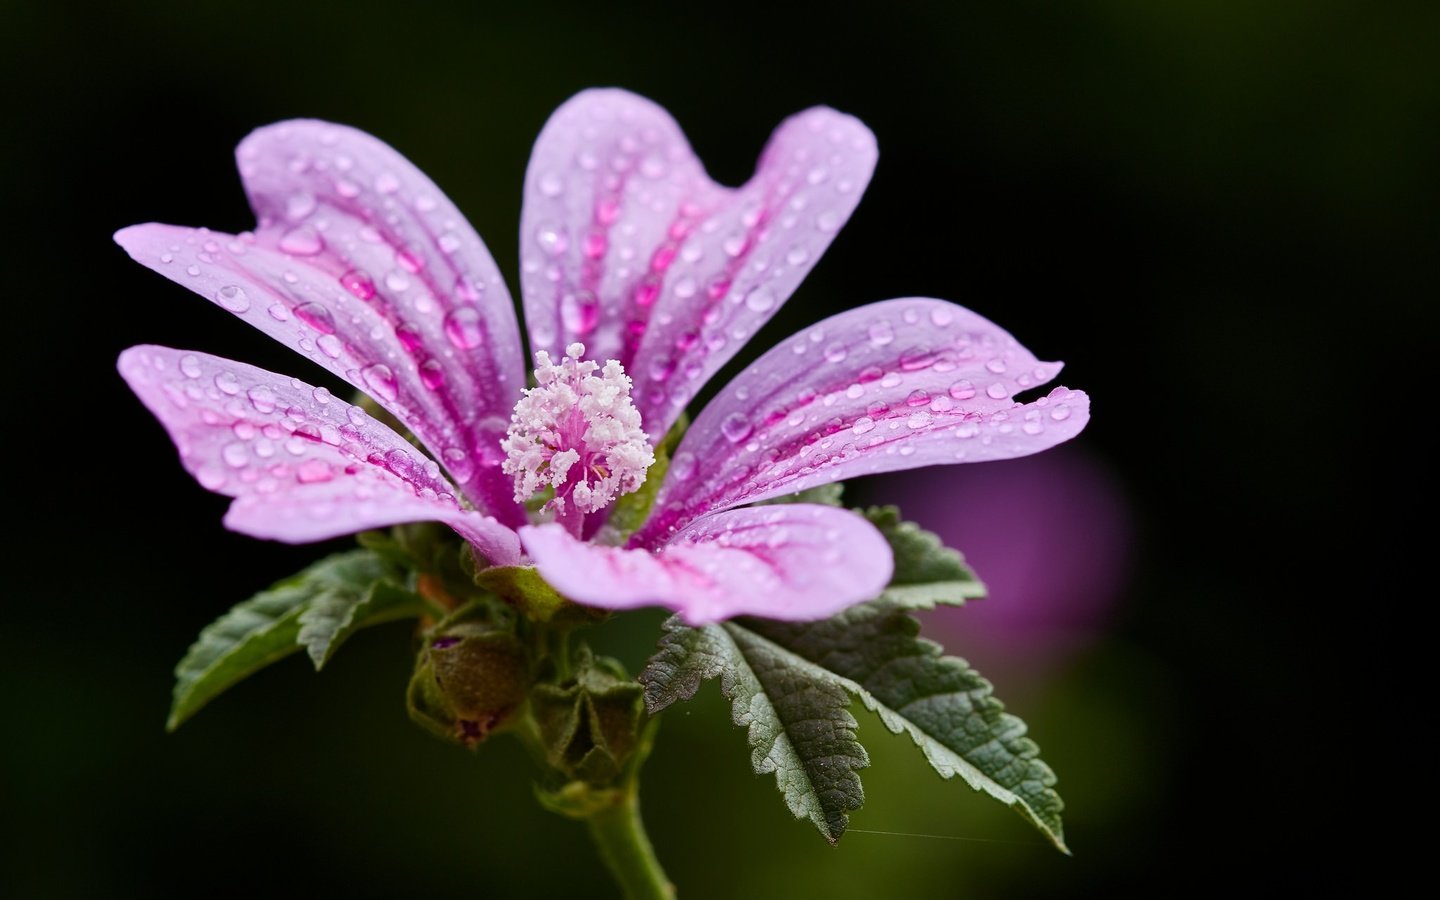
pixel 579 433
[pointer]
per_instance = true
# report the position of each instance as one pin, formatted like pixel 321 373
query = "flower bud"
pixel 471 676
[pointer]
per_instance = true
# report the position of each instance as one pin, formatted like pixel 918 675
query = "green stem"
pixel 620 836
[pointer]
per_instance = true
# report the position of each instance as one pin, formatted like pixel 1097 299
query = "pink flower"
pixel 629 251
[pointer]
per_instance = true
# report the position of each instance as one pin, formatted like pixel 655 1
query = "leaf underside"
pixel 316 609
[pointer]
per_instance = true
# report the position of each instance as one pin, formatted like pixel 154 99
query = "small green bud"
pixel 471 676
pixel 590 726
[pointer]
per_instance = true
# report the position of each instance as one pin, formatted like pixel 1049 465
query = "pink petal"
pixel 628 246
pixel 302 464
pixel 791 561
pixel 892 385
pixel 362 264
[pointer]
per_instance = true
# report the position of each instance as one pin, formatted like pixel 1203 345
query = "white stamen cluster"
pixel 575 418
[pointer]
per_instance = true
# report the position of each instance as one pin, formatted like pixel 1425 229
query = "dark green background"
pixel 1222 215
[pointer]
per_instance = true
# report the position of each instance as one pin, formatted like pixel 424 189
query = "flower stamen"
pixel 577 433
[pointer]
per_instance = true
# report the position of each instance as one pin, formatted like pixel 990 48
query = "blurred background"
pixel 1221 215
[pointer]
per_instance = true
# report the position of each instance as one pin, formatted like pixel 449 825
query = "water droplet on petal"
pixel 836 353
pixel 190 365
pixel 736 427
pixel 330 345
pixel 917 398
pixel 962 390
pixel 227 383
pixel 313 471
pixel 1060 413
pixel 358 283
pixel 1032 427
pixel 210 477
pixel 579 312
pixel 233 298
pixel 881 333
pixel 916 358
pixel 995 365
pixel 997 391
pixel 432 374
pixel 760 300
pixel 863 424
pixel 682 466
pixel 262 398
pixel 298 206
pixel 316 316
pixel 304 241
pixel 381 380
pixel 463 327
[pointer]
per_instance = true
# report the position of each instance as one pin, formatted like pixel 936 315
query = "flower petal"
pixel 790 561
pixel 363 265
pixel 892 385
pixel 627 245
pixel 302 464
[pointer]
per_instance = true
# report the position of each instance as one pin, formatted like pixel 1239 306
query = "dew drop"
pixel 863 425
pixel 313 471
pixel 236 455
pixel 997 391
pixel 459 464
pixel 962 390
pixel 358 283
pixel 661 369
pixel 316 316
pixel 397 281
pixel 210 477
pixel 380 379
pixel 262 398
pixel 298 206
pixel 304 241
pixel 190 365
pixel 828 221
pixel 227 383
pixel 233 298
pixel 1060 413
pixel 918 420
pixel 552 240
pixel 579 312
pixel 917 398
pixel 942 316
pixel 279 312
pixel 682 467
pixel 409 260
pixel 881 333
pixel 1032 428
pixel 916 358
pixel 550 184
pixel 736 427
pixel 432 374
pixel 463 327
pixel 760 300
pixel 330 345
pixel 995 365
pixel 410 337
pixel 836 353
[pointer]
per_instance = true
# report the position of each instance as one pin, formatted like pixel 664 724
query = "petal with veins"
pixel 791 561
pixel 302 464
pixel 893 385
pixel 628 246
pixel 360 263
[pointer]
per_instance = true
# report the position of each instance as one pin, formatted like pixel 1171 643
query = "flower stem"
pixel 620 836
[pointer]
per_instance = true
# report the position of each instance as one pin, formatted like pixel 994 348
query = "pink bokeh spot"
pixel 1050 537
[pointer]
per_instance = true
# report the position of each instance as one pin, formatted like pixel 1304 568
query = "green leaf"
pixel 927 572
pixel 789 683
pixel 345 607
pixel 798 719
pixel 330 599
pixel 948 710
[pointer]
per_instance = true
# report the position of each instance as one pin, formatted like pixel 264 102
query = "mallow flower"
pixel 640 277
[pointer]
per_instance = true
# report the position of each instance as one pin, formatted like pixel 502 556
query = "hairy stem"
pixel 620 836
